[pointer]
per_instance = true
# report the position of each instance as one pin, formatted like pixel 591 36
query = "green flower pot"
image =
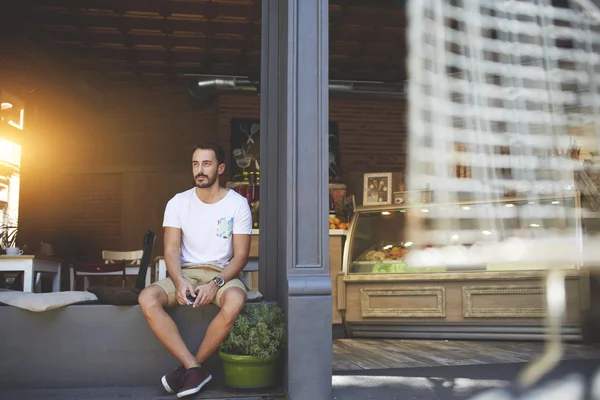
pixel 248 372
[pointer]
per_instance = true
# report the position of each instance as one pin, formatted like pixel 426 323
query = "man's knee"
pixel 232 303
pixel 152 297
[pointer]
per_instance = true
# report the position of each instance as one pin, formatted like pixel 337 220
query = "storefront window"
pixel 10 162
pixel 381 238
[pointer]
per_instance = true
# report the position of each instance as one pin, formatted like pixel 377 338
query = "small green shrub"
pixel 258 331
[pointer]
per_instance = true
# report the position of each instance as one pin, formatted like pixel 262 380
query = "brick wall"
pixel 78 214
pixel 79 165
pixel 372 133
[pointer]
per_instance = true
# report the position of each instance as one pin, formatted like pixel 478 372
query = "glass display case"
pixel 379 238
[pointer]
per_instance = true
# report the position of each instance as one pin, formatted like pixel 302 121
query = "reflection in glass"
pixel 380 239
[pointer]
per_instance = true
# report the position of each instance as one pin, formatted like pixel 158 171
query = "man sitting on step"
pixel 207 240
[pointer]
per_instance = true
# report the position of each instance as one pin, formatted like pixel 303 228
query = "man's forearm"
pixel 233 269
pixel 173 263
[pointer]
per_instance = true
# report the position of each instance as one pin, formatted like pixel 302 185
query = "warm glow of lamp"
pixel 10 152
pixel 20 124
pixel 7 106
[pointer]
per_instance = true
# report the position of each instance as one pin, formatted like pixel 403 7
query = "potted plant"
pixel 253 347
pixel 8 236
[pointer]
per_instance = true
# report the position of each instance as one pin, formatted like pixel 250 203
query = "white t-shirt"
pixel 207 229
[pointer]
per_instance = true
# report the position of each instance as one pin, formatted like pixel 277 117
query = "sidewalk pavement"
pixel 423 383
pixel 447 383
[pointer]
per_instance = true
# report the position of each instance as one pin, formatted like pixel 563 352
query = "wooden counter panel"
pixel 336 237
pixel 407 302
pixel 254 246
pixel 501 301
pixel 336 242
pixel 340 292
pixel 335 267
pixel 462 301
pixel 522 300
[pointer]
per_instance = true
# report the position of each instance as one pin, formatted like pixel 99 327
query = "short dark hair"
pixel 214 146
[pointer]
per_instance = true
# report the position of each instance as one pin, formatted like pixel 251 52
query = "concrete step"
pixel 87 346
pixel 139 393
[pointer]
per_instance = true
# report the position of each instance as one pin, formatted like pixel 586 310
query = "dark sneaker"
pixel 173 380
pixel 193 381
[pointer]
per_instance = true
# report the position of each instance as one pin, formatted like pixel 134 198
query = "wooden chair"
pixel 143 278
pixel 118 263
pixel 114 263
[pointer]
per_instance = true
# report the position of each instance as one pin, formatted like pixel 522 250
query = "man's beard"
pixel 208 182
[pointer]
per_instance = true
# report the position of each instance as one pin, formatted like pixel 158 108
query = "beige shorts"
pixel 197 275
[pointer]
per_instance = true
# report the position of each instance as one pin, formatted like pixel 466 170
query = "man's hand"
pixel 206 294
pixel 183 288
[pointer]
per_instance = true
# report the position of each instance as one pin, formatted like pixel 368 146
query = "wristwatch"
pixel 218 281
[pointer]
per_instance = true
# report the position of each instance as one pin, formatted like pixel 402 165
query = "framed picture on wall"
pixel 377 189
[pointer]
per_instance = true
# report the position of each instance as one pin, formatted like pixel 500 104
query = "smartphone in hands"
pixel 190 299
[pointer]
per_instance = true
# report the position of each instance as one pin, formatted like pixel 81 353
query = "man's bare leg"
pixel 153 301
pixel 232 303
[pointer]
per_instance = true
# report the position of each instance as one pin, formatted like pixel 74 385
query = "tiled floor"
pixel 357 354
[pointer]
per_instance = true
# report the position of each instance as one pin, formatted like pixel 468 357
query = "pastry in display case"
pixel 376 242
pixel 379 239
pixel 387 259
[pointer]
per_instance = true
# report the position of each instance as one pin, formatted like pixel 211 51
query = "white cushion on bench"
pixel 38 302
pixel 253 295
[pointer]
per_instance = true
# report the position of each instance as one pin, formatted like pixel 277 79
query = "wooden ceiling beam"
pixel 53 72
pixel 140 37
pixel 254 30
pixel 380 4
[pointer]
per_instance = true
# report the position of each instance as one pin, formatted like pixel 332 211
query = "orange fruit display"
pixel 336 223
